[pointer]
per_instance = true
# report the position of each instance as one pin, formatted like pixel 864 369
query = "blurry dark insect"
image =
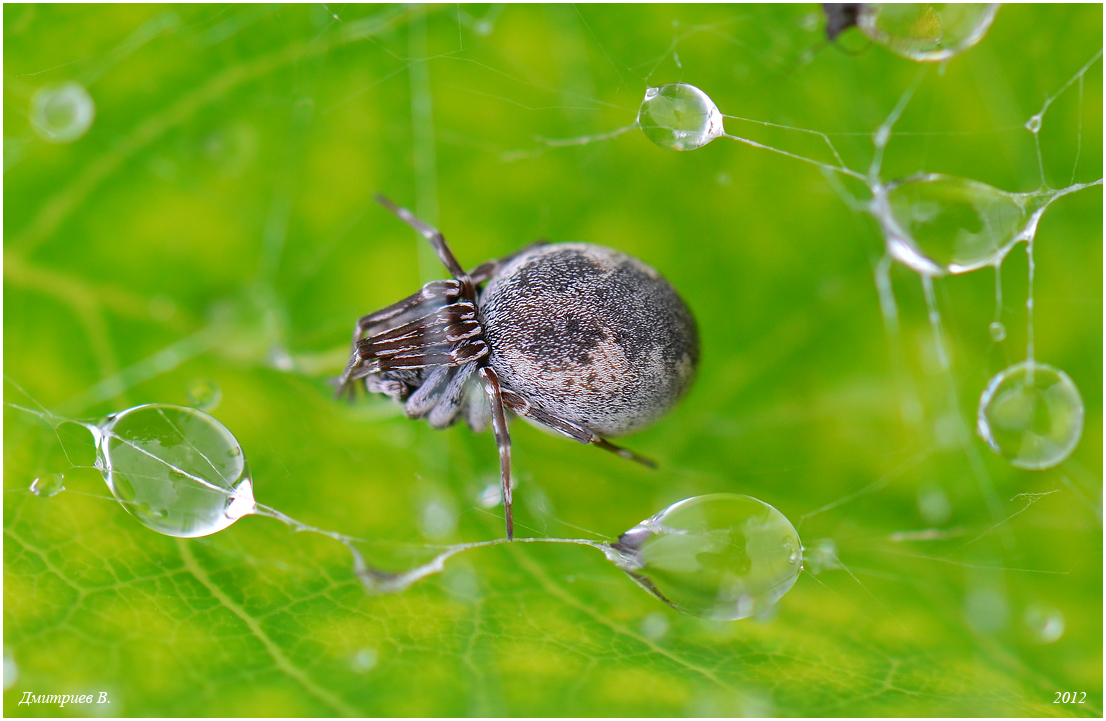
pixel 575 337
pixel 840 17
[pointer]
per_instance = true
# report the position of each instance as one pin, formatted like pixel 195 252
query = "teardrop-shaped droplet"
pixel 176 469
pixel 926 32
pixel 62 113
pixel 937 224
pixel 1031 414
pixel 679 116
pixel 48 485
pixel 722 556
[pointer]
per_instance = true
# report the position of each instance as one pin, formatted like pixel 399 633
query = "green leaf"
pixel 215 225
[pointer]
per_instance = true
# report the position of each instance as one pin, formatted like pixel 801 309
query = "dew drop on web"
pixel 997 331
pixel 176 469
pixel 1032 415
pixel 48 485
pixel 62 113
pixel 1045 623
pixel 679 116
pixel 722 556
pixel 204 394
pixel 926 32
pixel 937 224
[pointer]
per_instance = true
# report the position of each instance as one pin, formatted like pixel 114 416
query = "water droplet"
pixel 364 660
pixel 49 485
pixel 491 496
pixel 986 610
pixel 679 116
pixel 204 394
pixel 926 32
pixel 722 556
pixel 1033 125
pixel 62 113
pixel 482 28
pixel 1031 414
pixel 175 469
pixel 997 331
pixel 937 224
pixel 654 626
pixel 11 671
pixel 1045 623
pixel 933 505
pixel 437 518
pixel 821 556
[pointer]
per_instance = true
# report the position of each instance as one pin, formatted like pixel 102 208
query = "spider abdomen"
pixel 590 334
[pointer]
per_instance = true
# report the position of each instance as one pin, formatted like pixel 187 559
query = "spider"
pixel 575 337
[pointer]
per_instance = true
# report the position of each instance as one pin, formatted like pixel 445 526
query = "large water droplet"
pixel 722 556
pixel 679 116
pixel 176 469
pixel 926 32
pixel 997 331
pixel 49 485
pixel 204 394
pixel 937 224
pixel 1045 623
pixel 62 113
pixel 1031 414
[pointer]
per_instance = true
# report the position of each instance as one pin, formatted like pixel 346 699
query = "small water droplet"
pixel 937 224
pixel 654 626
pixel 1033 125
pixel 173 469
pixel 1045 623
pixel 926 32
pixel 821 556
pixel 720 556
pixel 62 113
pixel 933 505
pixel 11 671
pixel 986 609
pixel 204 393
pixel 679 116
pixel 48 485
pixel 491 496
pixel 1032 415
pixel 364 660
pixel 482 28
pixel 437 518
pixel 997 331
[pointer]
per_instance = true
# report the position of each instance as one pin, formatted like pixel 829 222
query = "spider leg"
pixel 437 240
pixel 486 270
pixel 523 407
pixel 433 293
pixel 449 402
pixel 502 440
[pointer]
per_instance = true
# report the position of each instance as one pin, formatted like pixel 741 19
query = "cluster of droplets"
pixel 182 473
pixel 934 224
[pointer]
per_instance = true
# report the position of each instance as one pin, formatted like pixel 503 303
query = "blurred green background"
pixel 216 224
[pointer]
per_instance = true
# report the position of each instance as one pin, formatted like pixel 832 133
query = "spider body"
pixel 579 338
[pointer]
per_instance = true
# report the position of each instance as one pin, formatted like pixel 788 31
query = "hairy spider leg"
pixel 522 407
pixel 502 440
pixel 437 240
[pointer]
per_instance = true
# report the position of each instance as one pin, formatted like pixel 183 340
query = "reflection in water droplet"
pixel 937 224
pixel 176 469
pixel 998 331
pixel 48 485
pixel 62 113
pixel 1031 414
pixel 364 660
pixel 1045 623
pixel 722 556
pixel 10 670
pixel 679 116
pixel 204 394
pixel 926 32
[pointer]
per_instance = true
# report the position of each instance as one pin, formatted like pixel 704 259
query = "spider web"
pixel 841 400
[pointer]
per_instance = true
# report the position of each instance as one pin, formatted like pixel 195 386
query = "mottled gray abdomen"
pixel 590 334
